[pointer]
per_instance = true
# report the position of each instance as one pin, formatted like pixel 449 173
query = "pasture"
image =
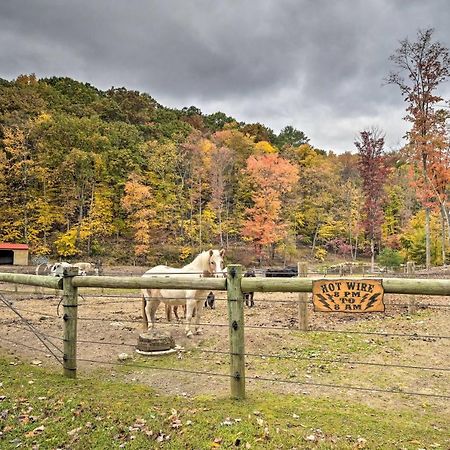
pixel 378 366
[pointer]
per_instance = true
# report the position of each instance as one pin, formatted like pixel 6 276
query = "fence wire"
pixel 21 344
pixel 273 380
pixel 31 327
pixel 259 326
pixel 46 338
pixel 267 356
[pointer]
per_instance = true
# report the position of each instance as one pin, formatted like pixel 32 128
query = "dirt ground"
pixel 110 323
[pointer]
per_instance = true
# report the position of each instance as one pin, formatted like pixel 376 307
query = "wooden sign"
pixel 356 296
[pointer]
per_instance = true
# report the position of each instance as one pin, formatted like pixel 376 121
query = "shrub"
pixel 389 257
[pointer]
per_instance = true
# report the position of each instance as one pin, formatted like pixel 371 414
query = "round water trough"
pixel 155 343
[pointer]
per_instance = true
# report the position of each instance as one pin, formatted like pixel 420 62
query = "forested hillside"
pixel 117 176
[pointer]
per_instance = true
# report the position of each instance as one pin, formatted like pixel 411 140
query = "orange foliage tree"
pixel 137 203
pixel 271 176
pixel 421 67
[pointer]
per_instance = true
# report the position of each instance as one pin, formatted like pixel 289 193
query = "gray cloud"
pixel 318 66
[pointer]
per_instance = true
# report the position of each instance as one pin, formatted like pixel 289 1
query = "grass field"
pixel 39 409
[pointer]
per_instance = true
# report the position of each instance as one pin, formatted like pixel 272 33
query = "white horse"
pixel 208 263
pixel 87 268
pixel 43 269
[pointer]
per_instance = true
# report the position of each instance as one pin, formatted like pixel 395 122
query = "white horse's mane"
pixel 201 261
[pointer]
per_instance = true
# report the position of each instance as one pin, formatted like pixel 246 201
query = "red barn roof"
pixel 6 246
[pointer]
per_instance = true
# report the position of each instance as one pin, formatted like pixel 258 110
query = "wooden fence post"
pixel 236 323
pixel 412 307
pixel 70 304
pixel 302 299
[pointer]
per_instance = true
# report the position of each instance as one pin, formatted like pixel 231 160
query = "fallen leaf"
pixel 177 424
pixel 75 431
pixel 24 418
pixel 360 443
pixel 34 432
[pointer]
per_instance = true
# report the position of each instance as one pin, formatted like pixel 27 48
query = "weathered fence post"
pixel 302 299
pixel 70 304
pixel 236 322
pixel 410 270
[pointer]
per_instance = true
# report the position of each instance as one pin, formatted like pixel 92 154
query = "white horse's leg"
pixel 145 310
pixel 198 313
pixel 168 309
pixel 154 303
pixel 190 305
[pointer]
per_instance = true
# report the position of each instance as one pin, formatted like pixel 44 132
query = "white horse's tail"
pixel 144 314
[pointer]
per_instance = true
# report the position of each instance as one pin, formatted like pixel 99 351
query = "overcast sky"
pixel 316 65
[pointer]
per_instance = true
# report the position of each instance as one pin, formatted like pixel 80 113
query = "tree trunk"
pixel 200 217
pixel 272 251
pixel 427 239
pixel 443 237
pixel 220 226
pixel 91 207
pixel 227 210
pixel 350 239
pixel 315 238
pixel 372 255
pixel 80 214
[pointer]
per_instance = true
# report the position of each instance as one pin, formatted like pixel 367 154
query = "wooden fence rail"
pixel 32 280
pixel 415 286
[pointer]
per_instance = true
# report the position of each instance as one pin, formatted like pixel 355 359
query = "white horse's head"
pixel 215 264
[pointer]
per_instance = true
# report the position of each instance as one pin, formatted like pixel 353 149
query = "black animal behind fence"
pixel 210 300
pixel 248 296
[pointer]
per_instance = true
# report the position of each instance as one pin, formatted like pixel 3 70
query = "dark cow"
pixel 248 296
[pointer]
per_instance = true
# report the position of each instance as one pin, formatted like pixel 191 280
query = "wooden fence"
pixel 235 285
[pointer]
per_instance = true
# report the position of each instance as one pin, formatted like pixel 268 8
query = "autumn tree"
pixel 137 203
pixel 220 172
pixel 426 65
pixel 317 213
pixel 291 136
pixel 259 132
pixel 373 172
pixel 272 176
